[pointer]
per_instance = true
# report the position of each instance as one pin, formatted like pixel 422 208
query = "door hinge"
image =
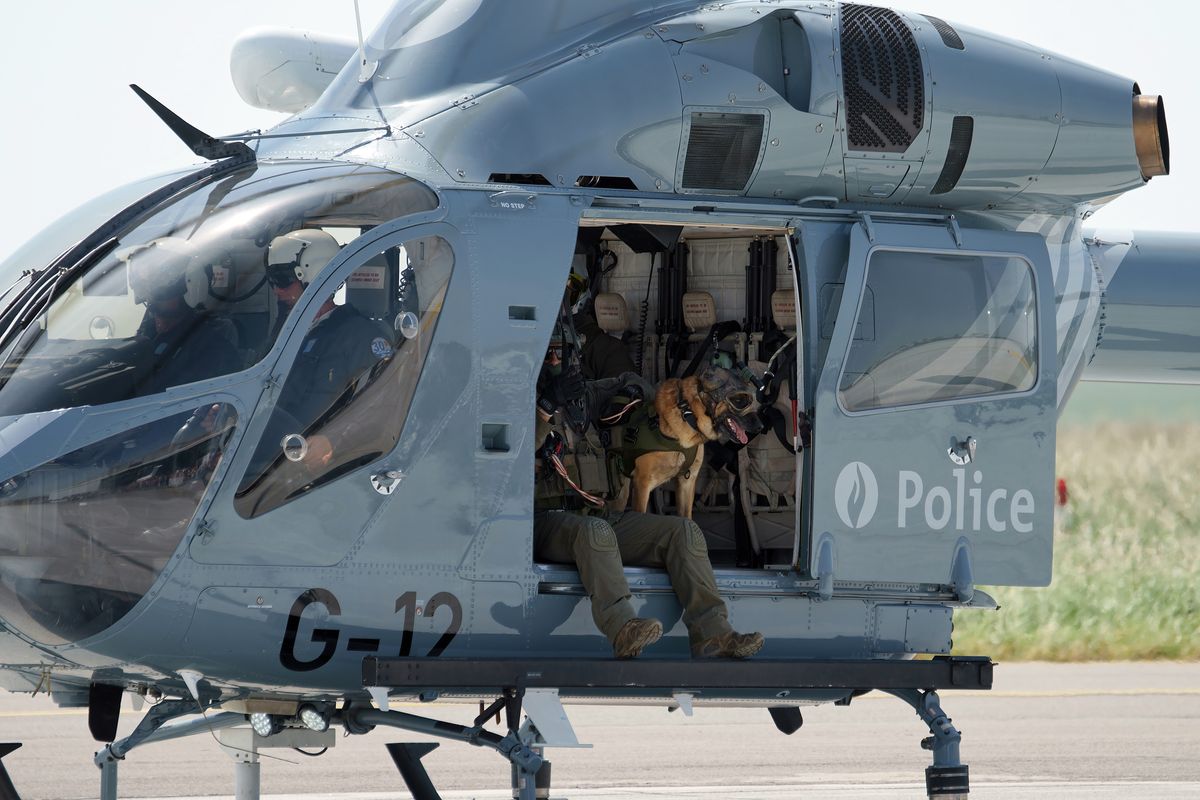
pixel 868 227
pixel 955 231
pixel 205 531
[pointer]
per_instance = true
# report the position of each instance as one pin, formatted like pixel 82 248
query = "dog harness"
pixel 641 435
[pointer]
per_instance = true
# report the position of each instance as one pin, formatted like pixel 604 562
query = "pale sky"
pixel 72 129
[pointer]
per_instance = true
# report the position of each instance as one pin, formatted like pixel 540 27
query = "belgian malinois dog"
pixel 716 405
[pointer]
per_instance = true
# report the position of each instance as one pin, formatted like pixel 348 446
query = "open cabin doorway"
pixel 672 297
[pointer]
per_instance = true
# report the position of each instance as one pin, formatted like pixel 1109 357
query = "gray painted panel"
pixel 885 488
pixel 912 629
pixel 1094 156
pixel 1151 330
pixel 520 128
pixel 1015 123
pixel 329 518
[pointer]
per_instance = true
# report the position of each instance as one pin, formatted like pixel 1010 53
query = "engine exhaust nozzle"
pixel 1150 135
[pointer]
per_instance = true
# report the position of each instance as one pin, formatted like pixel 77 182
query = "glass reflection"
pixel 942 327
pixel 186 292
pixel 348 392
pixel 83 537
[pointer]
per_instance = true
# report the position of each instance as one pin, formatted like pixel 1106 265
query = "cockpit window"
pixel 188 291
pixel 75 226
pixel 941 327
pixel 84 537
pixel 347 395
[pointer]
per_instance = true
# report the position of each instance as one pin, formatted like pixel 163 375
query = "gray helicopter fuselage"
pixel 732 122
pixel 444 563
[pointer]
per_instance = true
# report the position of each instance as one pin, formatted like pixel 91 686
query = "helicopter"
pixel 848 179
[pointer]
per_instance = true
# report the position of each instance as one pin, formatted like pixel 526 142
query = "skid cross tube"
pixel 676 675
pixel 152 728
pixel 525 760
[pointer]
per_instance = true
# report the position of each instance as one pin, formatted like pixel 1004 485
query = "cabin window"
pixel 944 327
pixel 347 393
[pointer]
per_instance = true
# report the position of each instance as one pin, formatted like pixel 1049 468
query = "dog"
pixel 668 441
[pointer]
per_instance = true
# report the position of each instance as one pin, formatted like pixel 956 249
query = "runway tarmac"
pixel 992 791
pixel 1045 731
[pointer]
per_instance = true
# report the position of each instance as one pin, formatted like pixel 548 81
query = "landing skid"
pixel 153 728
pixel 515 745
pixel 946 779
pixel 532 689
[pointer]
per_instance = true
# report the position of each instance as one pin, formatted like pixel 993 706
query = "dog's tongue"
pixel 738 432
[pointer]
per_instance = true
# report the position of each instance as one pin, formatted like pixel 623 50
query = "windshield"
pixel 56 238
pixel 193 289
pixel 83 537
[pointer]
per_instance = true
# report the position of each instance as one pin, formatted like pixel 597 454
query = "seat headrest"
pixel 699 311
pixel 612 315
pixel 783 309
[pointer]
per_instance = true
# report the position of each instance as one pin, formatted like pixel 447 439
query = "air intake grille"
pixel 961 133
pixel 882 78
pixel 949 35
pixel 722 150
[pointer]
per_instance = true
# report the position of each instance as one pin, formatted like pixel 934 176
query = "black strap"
pixel 690 416
pixel 775 420
pixel 715 334
pixel 785 363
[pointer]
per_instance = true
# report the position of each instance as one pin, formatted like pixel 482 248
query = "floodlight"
pixel 265 724
pixel 314 718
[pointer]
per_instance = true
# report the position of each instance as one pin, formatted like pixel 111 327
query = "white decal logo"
pixel 856 494
pixel 964 508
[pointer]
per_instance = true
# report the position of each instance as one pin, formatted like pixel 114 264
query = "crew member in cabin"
pixel 580 517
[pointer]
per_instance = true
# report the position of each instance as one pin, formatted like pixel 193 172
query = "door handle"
pixel 963 453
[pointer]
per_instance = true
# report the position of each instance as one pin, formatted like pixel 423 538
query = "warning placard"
pixel 367 278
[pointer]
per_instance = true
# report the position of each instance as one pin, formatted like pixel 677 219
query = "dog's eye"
pixel 741 401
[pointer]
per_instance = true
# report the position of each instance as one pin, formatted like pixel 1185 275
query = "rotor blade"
pixel 197 140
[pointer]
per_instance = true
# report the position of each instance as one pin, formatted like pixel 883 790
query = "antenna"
pixel 366 69
pixel 198 141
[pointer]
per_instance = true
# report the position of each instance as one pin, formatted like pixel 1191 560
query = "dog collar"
pixel 686 410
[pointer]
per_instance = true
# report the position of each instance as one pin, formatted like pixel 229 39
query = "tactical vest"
pixel 639 434
pixel 591 467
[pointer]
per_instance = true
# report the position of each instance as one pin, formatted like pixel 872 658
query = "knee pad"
pixel 600 536
pixel 695 539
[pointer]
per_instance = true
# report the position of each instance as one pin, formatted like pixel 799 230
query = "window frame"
pixel 960 253
pixel 286 348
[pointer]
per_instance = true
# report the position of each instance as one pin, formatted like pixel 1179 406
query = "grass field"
pixel 1127 554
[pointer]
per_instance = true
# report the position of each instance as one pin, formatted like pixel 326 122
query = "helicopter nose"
pixel 85 535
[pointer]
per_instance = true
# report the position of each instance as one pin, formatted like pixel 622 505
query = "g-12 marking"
pixel 328 638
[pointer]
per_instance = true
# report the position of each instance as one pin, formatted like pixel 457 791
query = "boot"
pixel 636 635
pixel 729 645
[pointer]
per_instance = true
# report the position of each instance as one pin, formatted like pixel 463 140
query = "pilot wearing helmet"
pixel 293 260
pixel 339 352
pixel 187 343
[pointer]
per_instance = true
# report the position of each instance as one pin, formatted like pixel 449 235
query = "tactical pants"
pixel 599 548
